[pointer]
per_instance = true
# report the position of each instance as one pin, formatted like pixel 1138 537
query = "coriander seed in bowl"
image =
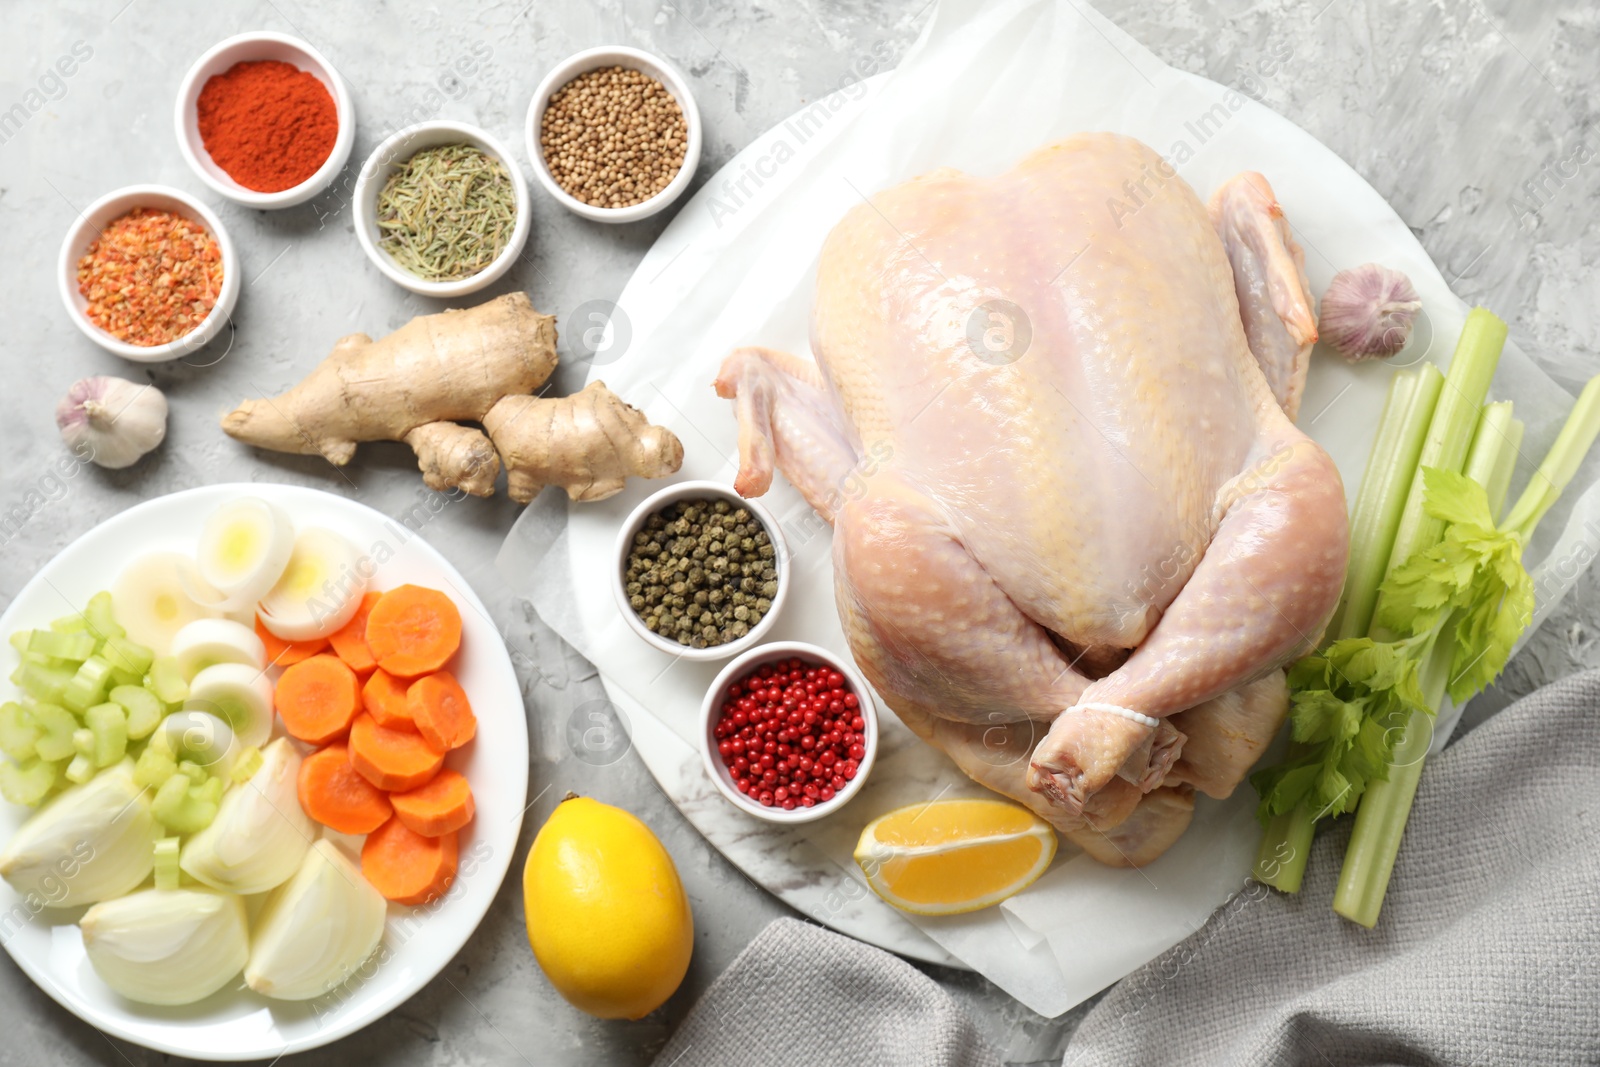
pixel 613 137
pixel 614 134
pixel 701 572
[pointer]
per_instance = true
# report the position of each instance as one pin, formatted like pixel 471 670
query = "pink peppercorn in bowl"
pixel 92 221
pixel 736 714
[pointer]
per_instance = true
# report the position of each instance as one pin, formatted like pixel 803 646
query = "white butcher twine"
pixel 1117 709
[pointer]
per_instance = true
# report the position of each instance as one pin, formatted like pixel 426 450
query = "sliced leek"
pixel 243 549
pixel 320 589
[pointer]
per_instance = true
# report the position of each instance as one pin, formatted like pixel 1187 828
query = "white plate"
pixel 236 1024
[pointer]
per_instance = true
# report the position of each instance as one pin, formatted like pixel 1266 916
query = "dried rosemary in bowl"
pixel 447 213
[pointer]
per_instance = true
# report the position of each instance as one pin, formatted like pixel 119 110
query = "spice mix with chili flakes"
pixel 151 277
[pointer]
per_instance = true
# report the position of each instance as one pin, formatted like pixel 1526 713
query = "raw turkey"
pixel 1077 534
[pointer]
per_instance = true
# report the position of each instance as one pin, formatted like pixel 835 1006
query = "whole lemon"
pixel 607 916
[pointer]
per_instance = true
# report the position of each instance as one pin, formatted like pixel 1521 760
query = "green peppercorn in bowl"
pixel 701 572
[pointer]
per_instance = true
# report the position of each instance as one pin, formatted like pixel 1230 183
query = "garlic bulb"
pixel 1368 312
pixel 260 834
pixel 93 842
pixel 112 421
pixel 315 929
pixel 167 946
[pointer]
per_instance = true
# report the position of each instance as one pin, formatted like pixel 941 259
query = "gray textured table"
pixel 1471 116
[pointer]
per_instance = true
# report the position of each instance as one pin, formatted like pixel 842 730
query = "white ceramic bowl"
pixel 247 47
pixel 615 56
pixel 393 154
pixel 114 205
pixel 688 491
pixel 711 710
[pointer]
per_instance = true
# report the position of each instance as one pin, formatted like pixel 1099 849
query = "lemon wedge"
pixel 954 856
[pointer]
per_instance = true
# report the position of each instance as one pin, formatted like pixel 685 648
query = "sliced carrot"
pixel 397 761
pixel 350 643
pixel 281 653
pixel 334 794
pixel 443 806
pixel 413 631
pixel 384 697
pixel 439 707
pixel 317 698
pixel 406 867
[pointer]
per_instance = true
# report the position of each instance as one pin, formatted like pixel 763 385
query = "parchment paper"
pixel 986 83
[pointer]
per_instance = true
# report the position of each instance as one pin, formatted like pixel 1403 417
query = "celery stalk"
pixel 1455 422
pixel 1381 819
pixel 1386 805
pixel 1494 453
pixel 1385 485
pixel 1500 480
pixel 1285 848
pixel 1562 462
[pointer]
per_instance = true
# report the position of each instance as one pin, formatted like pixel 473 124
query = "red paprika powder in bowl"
pixel 265 120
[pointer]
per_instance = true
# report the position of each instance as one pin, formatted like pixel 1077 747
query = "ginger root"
pixel 418 384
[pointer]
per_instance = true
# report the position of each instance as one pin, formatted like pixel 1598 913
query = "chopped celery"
pixel 195 772
pixel 167 863
pixel 88 685
pixel 125 655
pixel 20 639
pixel 185 807
pixel 122 677
pixel 247 766
pixel 77 647
pixel 83 741
pixel 144 708
pixel 29 781
pixel 99 618
pixel 109 724
pixel 18 732
pixel 47 685
pixel 81 769
pixel 70 624
pixel 167 681
pixel 56 727
pixel 154 766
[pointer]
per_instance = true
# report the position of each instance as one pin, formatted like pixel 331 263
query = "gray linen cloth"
pixel 799 994
pixel 1487 952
